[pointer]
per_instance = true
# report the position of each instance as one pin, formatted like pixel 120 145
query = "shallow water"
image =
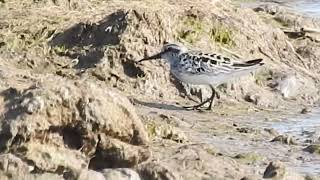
pixel 304 126
pixel 305 129
pixel 308 7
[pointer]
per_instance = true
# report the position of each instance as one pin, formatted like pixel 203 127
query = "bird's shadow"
pixel 159 105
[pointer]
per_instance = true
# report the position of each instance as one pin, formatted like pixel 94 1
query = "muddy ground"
pixel 75 105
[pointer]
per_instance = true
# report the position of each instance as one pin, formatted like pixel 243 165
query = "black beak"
pixel 156 56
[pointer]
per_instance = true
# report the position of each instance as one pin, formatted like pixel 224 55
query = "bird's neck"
pixel 174 61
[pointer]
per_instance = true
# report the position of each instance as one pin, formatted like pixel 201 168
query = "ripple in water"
pixel 309 7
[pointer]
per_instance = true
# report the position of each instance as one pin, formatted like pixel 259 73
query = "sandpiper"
pixel 193 67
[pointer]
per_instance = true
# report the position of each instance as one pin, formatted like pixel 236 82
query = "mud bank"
pixel 75 105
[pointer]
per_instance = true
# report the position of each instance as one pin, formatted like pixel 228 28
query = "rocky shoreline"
pixel 75 105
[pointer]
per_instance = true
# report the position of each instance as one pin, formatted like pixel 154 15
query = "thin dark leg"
pixel 214 93
pixel 217 95
pixel 204 102
pixel 197 106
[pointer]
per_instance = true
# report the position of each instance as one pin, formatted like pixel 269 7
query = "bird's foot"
pixel 198 107
pixel 209 108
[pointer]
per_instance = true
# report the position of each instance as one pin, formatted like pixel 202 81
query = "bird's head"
pixel 169 51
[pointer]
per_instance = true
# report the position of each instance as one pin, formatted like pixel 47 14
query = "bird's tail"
pixel 250 63
pixel 255 62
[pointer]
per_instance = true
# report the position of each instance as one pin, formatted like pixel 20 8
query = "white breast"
pixel 207 79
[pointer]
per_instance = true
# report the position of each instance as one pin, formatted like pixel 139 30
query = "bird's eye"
pixel 169 49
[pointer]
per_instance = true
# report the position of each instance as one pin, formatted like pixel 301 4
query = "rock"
pixel 274 169
pixel 314 148
pixel 120 174
pixel 170 132
pixel 62 124
pixel 165 131
pixel 305 110
pixel 285 139
pixel 248 157
pixel 50 157
pixel 259 100
pixel 12 167
pixel 277 171
pixel 48 176
pixel 86 174
pixel 65 124
pixel 285 83
pixel 268 8
pixel 115 153
pixel 287 86
pixel 245 130
pixel 155 171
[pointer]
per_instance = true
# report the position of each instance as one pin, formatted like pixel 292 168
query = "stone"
pixel 248 157
pixel 114 153
pixel 285 139
pixel 58 124
pixel 246 130
pixel 277 171
pixel 12 167
pixel 120 174
pixel 47 176
pixel 155 171
pixel 170 132
pixel 313 148
pixel 287 86
pixel 50 157
pixel 305 111
pixel 259 99
pixel 87 174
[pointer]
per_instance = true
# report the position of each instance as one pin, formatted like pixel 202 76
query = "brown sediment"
pixel 74 102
